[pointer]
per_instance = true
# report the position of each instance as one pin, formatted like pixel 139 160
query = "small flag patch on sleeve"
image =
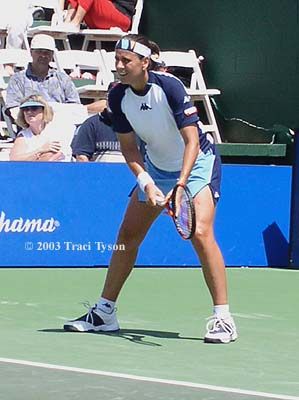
pixel 190 111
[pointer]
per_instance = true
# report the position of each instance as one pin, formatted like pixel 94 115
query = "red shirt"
pixel 102 14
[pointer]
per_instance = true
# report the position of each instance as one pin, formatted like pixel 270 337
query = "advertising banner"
pixel 68 214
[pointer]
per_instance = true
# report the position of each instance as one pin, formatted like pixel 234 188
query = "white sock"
pixel 221 311
pixel 106 305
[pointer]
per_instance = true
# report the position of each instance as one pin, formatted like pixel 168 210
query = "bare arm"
pixel 134 160
pixel 19 151
pixel 82 158
pixel 131 152
pixel 97 106
pixel 79 16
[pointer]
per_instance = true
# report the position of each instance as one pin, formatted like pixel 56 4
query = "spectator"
pixel 96 140
pixel 39 78
pixel 38 140
pixel 100 14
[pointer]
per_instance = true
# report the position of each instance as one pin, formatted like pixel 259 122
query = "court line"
pixel 147 379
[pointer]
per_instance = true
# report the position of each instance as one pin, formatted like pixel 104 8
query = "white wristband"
pixel 143 179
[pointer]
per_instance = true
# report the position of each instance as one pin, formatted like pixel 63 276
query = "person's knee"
pixel 203 234
pixel 131 238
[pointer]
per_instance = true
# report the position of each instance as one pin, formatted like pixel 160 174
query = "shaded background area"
pixel 250 50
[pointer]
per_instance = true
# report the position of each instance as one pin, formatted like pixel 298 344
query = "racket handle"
pixel 169 210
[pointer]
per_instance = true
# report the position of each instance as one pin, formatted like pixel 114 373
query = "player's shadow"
pixel 138 336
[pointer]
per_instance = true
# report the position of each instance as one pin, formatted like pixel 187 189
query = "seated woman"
pixel 38 140
pixel 99 14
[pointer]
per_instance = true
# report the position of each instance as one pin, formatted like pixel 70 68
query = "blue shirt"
pixel 56 87
pixel 94 136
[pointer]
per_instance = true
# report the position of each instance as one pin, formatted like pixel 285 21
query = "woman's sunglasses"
pixel 32 108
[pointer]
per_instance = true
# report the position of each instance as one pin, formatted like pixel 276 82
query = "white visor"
pixel 135 47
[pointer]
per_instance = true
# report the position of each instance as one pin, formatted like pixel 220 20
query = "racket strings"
pixel 183 213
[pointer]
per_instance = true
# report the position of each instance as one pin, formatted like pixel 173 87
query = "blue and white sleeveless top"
pixel 156 117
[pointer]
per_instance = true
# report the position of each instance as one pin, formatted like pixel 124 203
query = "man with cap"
pixel 40 78
pixel 53 85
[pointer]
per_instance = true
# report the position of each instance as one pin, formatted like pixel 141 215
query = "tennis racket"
pixel 181 208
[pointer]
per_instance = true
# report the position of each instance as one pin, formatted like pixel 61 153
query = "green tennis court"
pixel 159 352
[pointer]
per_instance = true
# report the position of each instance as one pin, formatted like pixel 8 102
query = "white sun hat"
pixel 42 42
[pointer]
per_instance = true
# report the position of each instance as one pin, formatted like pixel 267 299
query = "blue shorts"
pixel 206 171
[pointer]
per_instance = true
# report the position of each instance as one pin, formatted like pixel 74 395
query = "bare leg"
pixel 207 248
pixel 137 221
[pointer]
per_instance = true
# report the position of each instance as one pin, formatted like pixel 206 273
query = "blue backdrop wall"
pixel 68 215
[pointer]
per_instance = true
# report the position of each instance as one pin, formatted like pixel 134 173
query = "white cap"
pixel 42 42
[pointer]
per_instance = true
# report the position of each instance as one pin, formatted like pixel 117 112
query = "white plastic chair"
pixel 108 61
pixel 79 60
pixel 19 58
pixel 137 16
pixel 105 76
pixel 71 59
pixel 197 90
pixel 52 5
pixel 55 29
pixel 3 36
pixel 8 123
pixel 14 17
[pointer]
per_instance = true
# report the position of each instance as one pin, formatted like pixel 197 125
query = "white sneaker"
pixel 94 321
pixel 220 330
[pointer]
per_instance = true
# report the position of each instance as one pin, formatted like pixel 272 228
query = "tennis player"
pixel 156 107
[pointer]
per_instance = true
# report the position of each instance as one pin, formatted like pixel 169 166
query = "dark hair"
pixel 154 47
pixel 156 63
